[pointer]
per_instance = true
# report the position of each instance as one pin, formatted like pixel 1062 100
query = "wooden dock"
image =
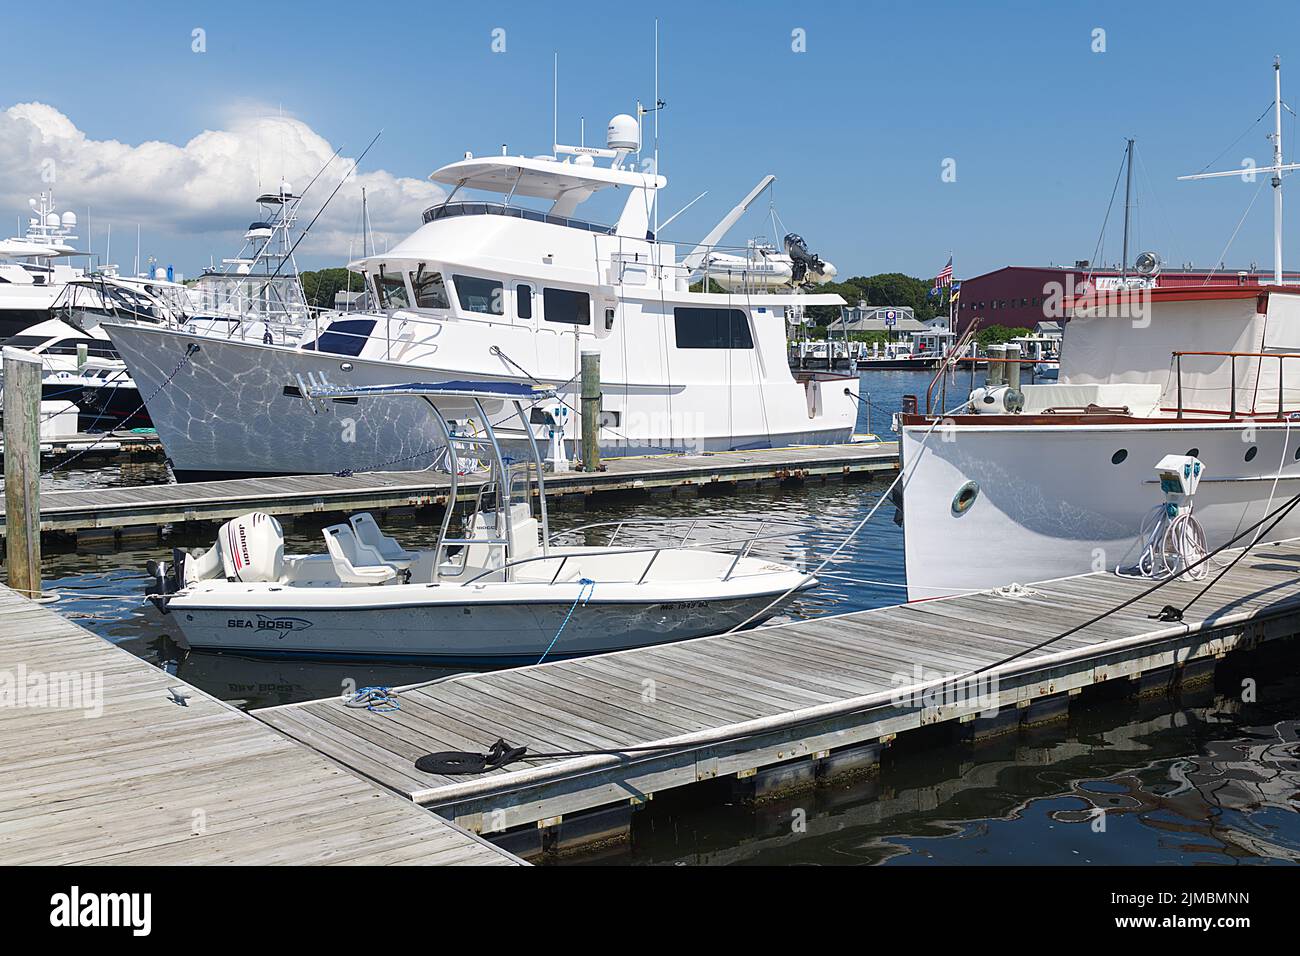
pixel 149 507
pixel 114 771
pixel 118 446
pixel 792 704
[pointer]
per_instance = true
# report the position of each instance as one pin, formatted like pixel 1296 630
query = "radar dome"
pixel 623 133
pixel 69 219
pixel 52 220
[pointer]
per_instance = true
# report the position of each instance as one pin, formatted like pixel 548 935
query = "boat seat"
pixel 354 562
pixel 367 531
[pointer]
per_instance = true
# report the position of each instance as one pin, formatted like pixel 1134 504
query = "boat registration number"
pixel 683 605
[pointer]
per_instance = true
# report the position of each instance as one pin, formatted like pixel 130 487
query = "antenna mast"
pixel 1276 169
pixel 657 120
pixel 1128 193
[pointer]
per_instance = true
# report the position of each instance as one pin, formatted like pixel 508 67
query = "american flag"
pixel 944 277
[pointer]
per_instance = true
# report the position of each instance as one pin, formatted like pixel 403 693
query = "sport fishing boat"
pixel 503 591
pixel 1030 482
pixel 499 291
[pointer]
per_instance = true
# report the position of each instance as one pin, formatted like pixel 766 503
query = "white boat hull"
pixel 1052 502
pixel 504 633
pixel 230 410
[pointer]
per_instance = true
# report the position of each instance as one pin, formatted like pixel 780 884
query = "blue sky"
pixel 856 128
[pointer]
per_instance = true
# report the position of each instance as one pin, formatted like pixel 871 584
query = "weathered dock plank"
pixel 733 703
pixel 155 505
pixel 128 776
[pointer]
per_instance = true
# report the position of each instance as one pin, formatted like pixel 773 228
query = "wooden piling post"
pixel 591 412
pixel 22 431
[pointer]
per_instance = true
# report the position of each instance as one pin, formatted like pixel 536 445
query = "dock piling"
pixel 22 432
pixel 591 411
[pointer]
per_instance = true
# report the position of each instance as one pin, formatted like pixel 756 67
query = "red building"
pixel 1023 296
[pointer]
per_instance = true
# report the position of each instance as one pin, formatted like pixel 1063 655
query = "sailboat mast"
pixel 1128 193
pixel 1277 170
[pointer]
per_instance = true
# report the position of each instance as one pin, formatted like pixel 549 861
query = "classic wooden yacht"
pixel 1029 482
pixel 495 290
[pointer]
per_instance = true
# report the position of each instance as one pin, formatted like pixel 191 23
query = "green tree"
pixel 886 288
pixel 319 286
pixel 998 335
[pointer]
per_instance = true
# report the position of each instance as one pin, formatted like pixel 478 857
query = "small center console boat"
pixel 500 592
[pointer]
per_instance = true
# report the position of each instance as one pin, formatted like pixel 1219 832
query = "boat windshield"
pixel 391 290
pixel 450 209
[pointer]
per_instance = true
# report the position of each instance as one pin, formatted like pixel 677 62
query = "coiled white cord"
pixel 1170 545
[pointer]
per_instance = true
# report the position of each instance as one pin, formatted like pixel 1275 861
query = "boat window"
pixel 430 290
pixel 479 295
pixel 392 291
pixel 344 337
pixel 567 306
pixel 699 328
pixel 524 301
pixel 94 348
pixel 26 341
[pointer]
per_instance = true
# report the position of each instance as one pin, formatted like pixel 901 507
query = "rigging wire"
pixel 1268 109
pixel 1240 222
pixel 1100 248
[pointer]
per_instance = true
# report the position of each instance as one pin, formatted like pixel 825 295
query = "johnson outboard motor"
pixel 249 548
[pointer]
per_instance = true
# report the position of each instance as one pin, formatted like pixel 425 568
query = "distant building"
pixel 1021 296
pixel 345 301
pixel 877 318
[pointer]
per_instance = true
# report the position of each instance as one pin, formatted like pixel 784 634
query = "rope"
pixel 585 592
pixel 377 700
pixel 811 575
pixel 502 753
pixel 190 351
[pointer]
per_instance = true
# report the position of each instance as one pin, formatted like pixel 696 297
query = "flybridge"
pixel 565 182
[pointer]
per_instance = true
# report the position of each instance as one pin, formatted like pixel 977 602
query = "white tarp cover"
pixel 1121 344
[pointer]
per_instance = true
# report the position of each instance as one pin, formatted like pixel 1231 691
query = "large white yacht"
pixel 499 291
pixel 31 278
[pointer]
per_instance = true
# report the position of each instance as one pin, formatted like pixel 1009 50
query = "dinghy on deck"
pixel 503 592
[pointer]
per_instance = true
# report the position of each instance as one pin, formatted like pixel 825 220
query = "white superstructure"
pixel 30 275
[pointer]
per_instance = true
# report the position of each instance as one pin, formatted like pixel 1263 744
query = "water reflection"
pixel 1200 779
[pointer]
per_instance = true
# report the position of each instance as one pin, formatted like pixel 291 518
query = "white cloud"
pixel 206 185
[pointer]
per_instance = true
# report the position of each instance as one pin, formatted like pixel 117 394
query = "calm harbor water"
pixel 1203 779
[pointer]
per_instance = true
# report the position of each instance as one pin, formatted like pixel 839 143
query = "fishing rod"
pixel 303 235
